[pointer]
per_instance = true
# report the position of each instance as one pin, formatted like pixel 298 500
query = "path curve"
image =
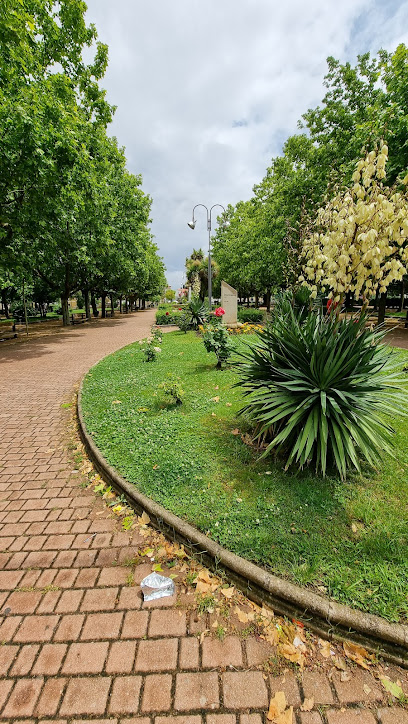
pixel 77 642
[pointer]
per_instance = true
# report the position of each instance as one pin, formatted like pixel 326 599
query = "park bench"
pixel 8 333
pixel 79 318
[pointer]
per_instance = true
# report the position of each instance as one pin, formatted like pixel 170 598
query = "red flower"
pixel 219 312
pixel 167 314
pixel 331 304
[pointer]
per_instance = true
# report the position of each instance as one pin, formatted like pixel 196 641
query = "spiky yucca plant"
pixel 197 312
pixel 319 387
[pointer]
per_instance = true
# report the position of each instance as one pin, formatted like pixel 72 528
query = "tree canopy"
pixel 71 214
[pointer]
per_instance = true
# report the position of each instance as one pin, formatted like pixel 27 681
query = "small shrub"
pixel 253 316
pixel 167 316
pixel 172 388
pixel 197 312
pixel 319 387
pixel 216 339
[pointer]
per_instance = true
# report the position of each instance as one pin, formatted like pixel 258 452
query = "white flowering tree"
pixel 360 241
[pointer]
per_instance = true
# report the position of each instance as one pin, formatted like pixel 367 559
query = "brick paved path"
pixel 77 643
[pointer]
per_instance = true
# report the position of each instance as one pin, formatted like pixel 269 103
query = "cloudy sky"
pixel 208 91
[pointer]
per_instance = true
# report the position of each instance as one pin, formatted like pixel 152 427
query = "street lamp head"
pixel 191 224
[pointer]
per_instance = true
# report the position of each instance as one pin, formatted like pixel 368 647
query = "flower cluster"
pixel 151 349
pixel 360 239
pixel 245 328
pixel 219 312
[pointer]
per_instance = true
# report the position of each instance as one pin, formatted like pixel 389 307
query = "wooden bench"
pixel 79 318
pixel 8 333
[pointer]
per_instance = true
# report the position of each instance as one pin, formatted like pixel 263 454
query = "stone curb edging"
pixel 325 617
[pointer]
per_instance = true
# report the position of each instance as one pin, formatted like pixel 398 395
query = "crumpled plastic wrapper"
pixel 155 586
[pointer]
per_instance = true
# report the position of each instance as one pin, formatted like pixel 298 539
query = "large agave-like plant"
pixel 197 312
pixel 319 389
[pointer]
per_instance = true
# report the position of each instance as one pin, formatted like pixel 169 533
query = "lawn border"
pixel 327 618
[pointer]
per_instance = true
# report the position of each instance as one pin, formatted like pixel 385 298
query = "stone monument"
pixel 229 302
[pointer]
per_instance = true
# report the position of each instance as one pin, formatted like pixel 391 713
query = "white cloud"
pixel 183 73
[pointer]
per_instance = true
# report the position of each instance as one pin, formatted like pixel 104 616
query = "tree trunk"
pixel 256 300
pixel 247 300
pixel 402 295
pixel 143 303
pixel 65 311
pixel 375 304
pixel 103 298
pixel 268 301
pixel 126 305
pixel 112 301
pixel 120 304
pixel 381 308
pixel 95 310
pixel 87 306
pixel 4 303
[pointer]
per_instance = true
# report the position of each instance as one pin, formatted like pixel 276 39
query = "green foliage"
pixel 197 312
pixel 319 388
pixel 216 339
pixel 167 316
pixel 248 314
pixel 172 388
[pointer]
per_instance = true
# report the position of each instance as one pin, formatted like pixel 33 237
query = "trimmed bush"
pixel 168 316
pixel 248 314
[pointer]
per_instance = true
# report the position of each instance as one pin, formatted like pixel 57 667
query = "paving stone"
pixel 158 655
pixel 189 653
pixel 216 653
pixel 5 687
pixel 316 685
pixel 85 695
pixel 99 599
pixel 196 691
pixel 167 623
pixel 130 598
pixel 69 628
pixel 49 659
pixel 23 698
pixel 186 719
pixel 393 715
pixel 37 628
pixel 350 716
pixel 7 656
pixel 121 657
pixel 24 660
pixel 135 624
pixel 157 693
pixel 24 601
pixel 250 719
pixel 361 687
pixel 102 626
pixel 222 719
pixel 258 651
pixel 288 684
pixel 124 698
pixel 244 690
pixel 50 698
pixel 310 717
pixel 85 658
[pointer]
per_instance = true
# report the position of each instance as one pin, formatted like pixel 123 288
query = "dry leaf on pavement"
pixel 276 706
pixel 143 519
pixel 308 704
pixel 357 654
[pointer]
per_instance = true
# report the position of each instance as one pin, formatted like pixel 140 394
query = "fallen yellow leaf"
pixel 276 706
pixel 308 704
pixel 143 519
pixel 228 592
pixel 215 399
pixel 235 432
pixel 357 654
pixel 289 652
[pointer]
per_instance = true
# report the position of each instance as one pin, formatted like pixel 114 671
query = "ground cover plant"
pixel 344 538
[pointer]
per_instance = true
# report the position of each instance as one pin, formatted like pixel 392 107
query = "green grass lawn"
pixel 348 540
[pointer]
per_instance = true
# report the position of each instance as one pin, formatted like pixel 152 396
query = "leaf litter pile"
pixel 219 609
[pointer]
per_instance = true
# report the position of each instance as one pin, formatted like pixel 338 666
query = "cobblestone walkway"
pixel 76 642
